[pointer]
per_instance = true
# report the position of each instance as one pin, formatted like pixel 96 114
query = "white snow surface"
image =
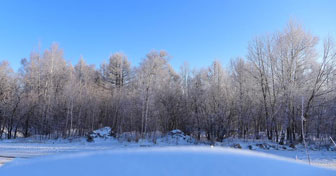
pixel 210 161
pixel 173 153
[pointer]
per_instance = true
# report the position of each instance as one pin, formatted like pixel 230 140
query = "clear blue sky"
pixel 196 31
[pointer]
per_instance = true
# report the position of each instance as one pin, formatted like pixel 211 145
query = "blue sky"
pixel 195 31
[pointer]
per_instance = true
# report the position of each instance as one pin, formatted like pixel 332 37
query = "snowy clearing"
pixel 164 161
pixel 173 151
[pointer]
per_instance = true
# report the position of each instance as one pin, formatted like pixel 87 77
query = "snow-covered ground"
pixel 108 151
pixel 165 161
pixel 321 157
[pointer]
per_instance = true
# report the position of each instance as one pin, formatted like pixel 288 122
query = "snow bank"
pixel 164 161
pixel 176 137
pixel 102 133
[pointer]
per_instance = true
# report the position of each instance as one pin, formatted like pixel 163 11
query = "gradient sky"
pixel 195 31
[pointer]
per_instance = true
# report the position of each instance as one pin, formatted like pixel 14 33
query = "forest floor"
pixel 25 149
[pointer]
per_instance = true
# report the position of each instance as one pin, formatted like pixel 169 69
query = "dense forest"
pixel 285 77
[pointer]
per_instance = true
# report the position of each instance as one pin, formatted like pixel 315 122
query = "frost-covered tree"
pixel 259 96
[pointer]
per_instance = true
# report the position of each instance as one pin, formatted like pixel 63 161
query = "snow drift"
pixel 164 161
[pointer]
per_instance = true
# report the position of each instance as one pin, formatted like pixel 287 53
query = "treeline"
pixel 285 75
